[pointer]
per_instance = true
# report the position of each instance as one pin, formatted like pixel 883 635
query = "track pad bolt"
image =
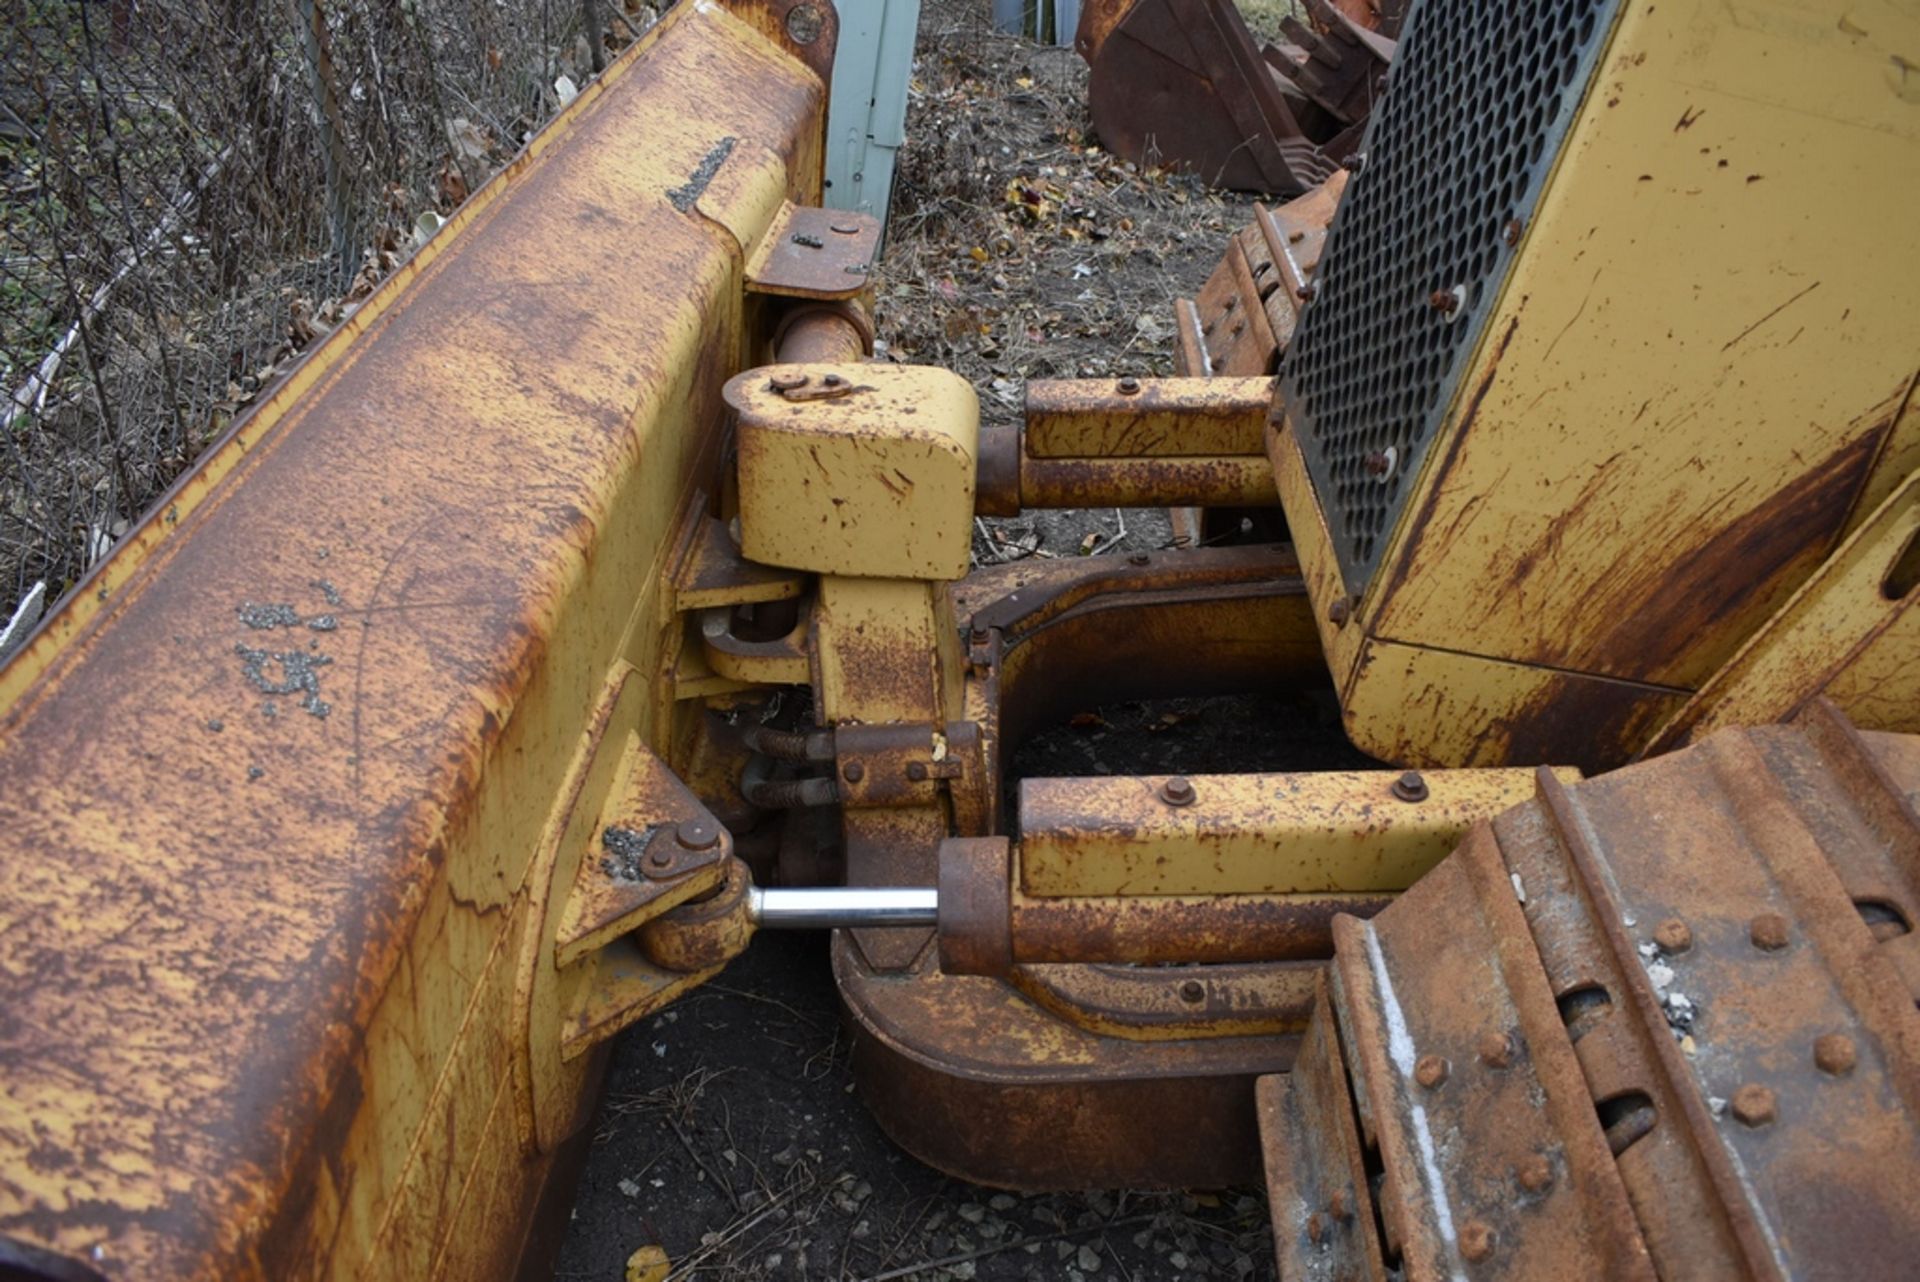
pixel 1753 1105
pixel 1673 936
pixel 1768 932
pixel 1430 1070
pixel 1833 1053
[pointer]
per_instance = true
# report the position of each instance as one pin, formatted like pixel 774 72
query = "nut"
pixel 697 834
pixel 1673 936
pixel 1430 1070
pixel 1410 786
pixel 1177 791
pixel 1769 932
pixel 1496 1049
pixel 1833 1054
pixel 853 772
pixel 1534 1174
pixel 1753 1105
pixel 1128 386
pixel 1338 612
pixel 1476 1240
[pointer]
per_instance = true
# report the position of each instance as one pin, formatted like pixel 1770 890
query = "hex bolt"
pixel 1673 936
pixel 1138 558
pixel 1192 990
pixel 1444 301
pixel 1316 1228
pixel 1430 1070
pixel 1496 1049
pixel 1476 1240
pixel 1338 611
pixel 788 381
pixel 1534 1174
pixel 1339 1206
pixel 1377 463
pixel 917 771
pixel 1833 1054
pixel 1410 786
pixel 696 834
pixel 1769 932
pixel 1128 386
pixel 1177 791
pixel 853 772
pixel 1753 1105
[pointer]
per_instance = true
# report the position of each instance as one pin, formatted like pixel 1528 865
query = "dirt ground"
pixel 731 1135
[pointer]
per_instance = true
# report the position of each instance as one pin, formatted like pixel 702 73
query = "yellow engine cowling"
pixel 1583 396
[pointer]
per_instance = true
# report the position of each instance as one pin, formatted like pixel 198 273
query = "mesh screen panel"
pixel 1480 98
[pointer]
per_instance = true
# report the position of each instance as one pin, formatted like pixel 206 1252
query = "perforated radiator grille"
pixel 1480 98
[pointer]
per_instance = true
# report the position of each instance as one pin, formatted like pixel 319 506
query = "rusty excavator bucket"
pixel 1181 83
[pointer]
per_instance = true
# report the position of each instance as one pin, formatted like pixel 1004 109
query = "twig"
pixel 726 1185
pixel 951 1260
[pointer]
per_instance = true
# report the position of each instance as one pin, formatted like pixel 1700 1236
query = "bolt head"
pixel 1377 463
pixel 787 381
pixel 1442 300
pixel 1673 936
pixel 1316 1228
pixel 1753 1105
pixel 1476 1240
pixel 916 770
pixel 659 858
pixel 1496 1049
pixel 1340 1206
pixel 1431 1070
pixel 697 834
pixel 1834 1054
pixel 1177 791
pixel 1769 932
pixel 832 380
pixel 846 229
pixel 1128 386
pixel 1138 558
pixel 853 772
pixel 1410 786
pixel 1193 990
pixel 1339 611
pixel 1534 1174
pixel 1511 232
